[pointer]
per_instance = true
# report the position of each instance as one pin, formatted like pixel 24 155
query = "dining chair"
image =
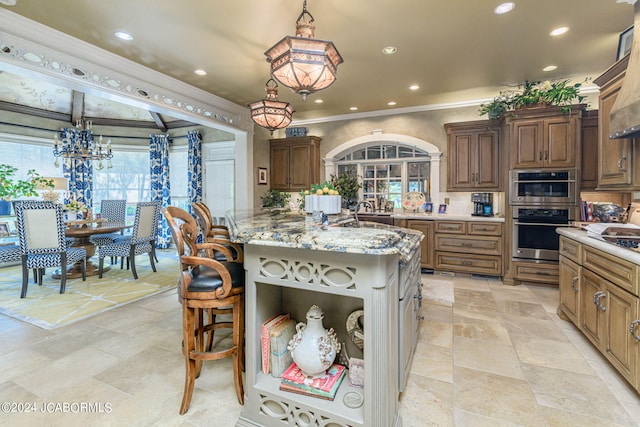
pixel 206 286
pixel 112 211
pixel 215 233
pixel 142 239
pixel 41 233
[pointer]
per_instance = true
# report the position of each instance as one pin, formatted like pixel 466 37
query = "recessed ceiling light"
pixel 123 35
pixel 504 8
pixel 550 68
pixel 391 103
pixel 353 108
pixel 389 50
pixel 200 72
pixel 559 31
pixel 318 101
pixel 414 87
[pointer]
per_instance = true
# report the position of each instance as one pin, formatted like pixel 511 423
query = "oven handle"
pixel 541 223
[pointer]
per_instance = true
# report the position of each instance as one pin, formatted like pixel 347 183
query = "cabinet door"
pixel 592 319
pixel 300 162
pixel 620 347
pixel 569 284
pixel 614 154
pixel 559 143
pixel 487 173
pixel 279 167
pixel 461 161
pixel 527 150
pixel 426 246
pixel 589 168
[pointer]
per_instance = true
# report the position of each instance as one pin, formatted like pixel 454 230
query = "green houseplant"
pixel 275 199
pixel 348 186
pixel 536 93
pixel 12 188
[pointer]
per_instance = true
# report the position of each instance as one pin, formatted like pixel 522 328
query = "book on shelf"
pixel 324 386
pixel 280 356
pixel 265 337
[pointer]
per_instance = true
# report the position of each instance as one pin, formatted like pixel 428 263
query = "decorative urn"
pixel 314 348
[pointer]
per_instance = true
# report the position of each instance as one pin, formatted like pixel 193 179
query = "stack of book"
pixel 323 387
pixel 276 332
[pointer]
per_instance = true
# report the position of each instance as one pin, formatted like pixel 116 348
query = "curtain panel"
pixel 194 159
pixel 78 171
pixel 160 183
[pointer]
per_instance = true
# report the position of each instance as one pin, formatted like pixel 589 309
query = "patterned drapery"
pixel 160 183
pixel 194 159
pixel 78 171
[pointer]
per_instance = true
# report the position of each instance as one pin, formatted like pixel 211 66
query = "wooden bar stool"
pixel 206 286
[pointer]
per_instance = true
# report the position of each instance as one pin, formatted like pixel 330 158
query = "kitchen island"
pixel 292 263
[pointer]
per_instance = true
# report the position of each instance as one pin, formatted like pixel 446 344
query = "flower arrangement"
pixel 559 93
pixel 75 206
pixel 10 188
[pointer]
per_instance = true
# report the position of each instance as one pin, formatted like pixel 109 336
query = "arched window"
pixel 390 166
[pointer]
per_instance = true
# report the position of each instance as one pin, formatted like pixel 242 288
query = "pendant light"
pixel 270 113
pixel 304 64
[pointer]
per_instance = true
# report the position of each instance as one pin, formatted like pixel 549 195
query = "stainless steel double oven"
pixel 541 201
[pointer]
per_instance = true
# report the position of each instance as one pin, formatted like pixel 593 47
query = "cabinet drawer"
pixel 484 228
pixel 537 272
pixel 571 249
pixel 469 244
pixel 614 269
pixel 467 263
pixel 455 227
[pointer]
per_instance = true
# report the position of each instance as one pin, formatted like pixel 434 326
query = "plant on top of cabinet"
pixel 530 94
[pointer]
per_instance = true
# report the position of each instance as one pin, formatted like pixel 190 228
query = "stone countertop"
pixel 610 248
pixel 292 230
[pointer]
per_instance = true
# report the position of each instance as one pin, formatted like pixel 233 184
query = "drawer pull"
pixel 632 329
pixel 543 273
pixel 573 284
pixel 467 263
pixel 467 245
pixel 596 300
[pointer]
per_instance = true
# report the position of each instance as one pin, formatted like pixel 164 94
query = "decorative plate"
pixel 413 200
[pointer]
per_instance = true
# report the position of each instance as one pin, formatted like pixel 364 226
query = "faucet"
pixel 367 205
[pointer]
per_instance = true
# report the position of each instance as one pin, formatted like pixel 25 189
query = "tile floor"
pixel 495 356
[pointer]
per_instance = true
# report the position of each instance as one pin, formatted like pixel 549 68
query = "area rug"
pixel 46 308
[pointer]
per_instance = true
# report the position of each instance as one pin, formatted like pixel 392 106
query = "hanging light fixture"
pixel 82 148
pixel 304 64
pixel 270 113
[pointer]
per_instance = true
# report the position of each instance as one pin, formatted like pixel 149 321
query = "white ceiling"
pixel 455 50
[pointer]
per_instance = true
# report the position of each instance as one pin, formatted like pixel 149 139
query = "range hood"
pixel 625 113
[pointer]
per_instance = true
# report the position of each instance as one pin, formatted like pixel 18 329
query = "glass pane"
pixel 358 155
pixel 396 199
pixel 369 171
pixel 368 186
pixel 421 154
pixel 395 186
pixel 373 152
pixel 395 171
pixel 347 169
pixel 390 152
pixel 415 186
pixel 405 152
pixel 381 171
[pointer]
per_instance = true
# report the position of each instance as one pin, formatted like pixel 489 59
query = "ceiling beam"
pixel 156 118
pixel 77 106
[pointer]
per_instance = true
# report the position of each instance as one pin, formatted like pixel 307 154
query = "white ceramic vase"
pixel 313 348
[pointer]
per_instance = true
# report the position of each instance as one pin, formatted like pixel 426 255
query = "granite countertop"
pixel 581 236
pixel 292 230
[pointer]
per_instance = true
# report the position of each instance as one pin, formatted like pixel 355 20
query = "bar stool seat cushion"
pixel 205 279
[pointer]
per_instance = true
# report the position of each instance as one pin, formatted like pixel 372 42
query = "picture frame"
pixel 624 43
pixel 262 176
pixel 442 209
pixel 4 229
pixel 428 208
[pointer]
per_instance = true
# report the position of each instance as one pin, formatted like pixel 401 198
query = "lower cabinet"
pixel 426 246
pixel 599 294
pixel 469 247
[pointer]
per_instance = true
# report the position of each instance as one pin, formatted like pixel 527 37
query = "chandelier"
pixel 304 64
pixel 270 113
pixel 81 146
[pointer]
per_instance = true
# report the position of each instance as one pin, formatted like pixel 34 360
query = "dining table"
pixel 81 231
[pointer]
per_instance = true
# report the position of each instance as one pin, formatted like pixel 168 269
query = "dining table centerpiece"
pixel 534 94
pixel 322 197
pixel 75 209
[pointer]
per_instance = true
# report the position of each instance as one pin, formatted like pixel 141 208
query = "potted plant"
pixel 348 186
pixel 275 199
pixel 12 188
pixel 536 93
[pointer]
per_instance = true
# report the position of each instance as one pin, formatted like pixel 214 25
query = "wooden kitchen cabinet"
pixel 545 142
pixel 605 288
pixel 426 245
pixel 589 158
pixel 474 156
pixel 618 159
pixel 469 247
pixel 295 163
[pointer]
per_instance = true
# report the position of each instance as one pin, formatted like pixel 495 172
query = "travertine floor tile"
pixel 486 356
pixel 551 354
pixel 481 330
pixel 433 362
pixel 427 402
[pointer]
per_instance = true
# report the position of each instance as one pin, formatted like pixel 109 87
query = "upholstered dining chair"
pixel 215 233
pixel 41 233
pixel 142 239
pixel 206 286
pixel 113 211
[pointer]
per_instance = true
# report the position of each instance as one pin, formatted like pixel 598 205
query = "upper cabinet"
pixel 544 138
pixel 295 162
pixel 619 159
pixel 474 156
pixel 589 164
